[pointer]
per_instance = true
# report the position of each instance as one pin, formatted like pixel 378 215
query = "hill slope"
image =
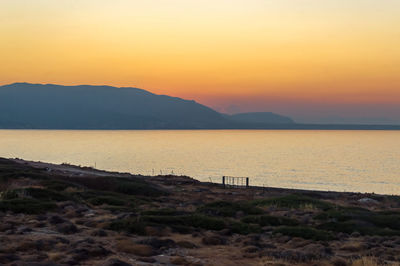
pixel 24 105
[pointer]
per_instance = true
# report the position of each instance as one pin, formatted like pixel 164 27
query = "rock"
pixel 117 262
pixel 368 201
pixel 141 250
pixel 354 247
pixel 155 231
pixel 45 244
pixel 213 240
pixel 91 224
pixel 100 233
pixel 147 259
pixel 8 258
pixel 80 255
pixel 342 236
pixel 316 251
pixel 225 232
pixel 55 219
pixel 158 243
pixel 186 244
pixel 88 251
pixel 251 249
pixel 23 229
pixel 239 214
pixel 41 217
pixel 67 228
pixel 339 262
pixel 62 240
pixel 179 261
pixel 355 234
pixel 6 226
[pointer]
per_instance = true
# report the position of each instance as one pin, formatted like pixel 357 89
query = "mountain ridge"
pixel 50 106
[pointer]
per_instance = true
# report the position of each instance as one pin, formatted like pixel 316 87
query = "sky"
pixel 317 61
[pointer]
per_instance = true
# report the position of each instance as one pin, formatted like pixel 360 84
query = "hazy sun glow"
pixel 298 57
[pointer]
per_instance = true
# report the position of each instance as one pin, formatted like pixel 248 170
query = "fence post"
pixel 247 182
pixel 223 181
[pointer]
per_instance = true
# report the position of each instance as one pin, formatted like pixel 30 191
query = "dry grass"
pixel 128 246
pixel 55 256
pixel 365 261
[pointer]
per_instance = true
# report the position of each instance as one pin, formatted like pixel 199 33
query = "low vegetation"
pixel 138 216
pixel 294 201
pixel 305 232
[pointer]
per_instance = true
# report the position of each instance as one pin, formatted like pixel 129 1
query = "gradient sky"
pixel 331 60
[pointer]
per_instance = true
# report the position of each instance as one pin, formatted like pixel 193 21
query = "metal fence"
pixel 232 181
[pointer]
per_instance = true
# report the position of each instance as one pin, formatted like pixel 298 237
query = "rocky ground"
pixel 68 215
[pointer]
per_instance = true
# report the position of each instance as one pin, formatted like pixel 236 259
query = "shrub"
pixel 229 209
pixel 130 225
pixel 163 212
pixel 244 228
pixel 109 200
pixel 28 206
pixel 305 232
pixel 295 201
pixel 37 193
pixel 265 220
pixel 361 227
pixel 195 220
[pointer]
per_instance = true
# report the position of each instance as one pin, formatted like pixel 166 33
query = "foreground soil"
pixel 69 215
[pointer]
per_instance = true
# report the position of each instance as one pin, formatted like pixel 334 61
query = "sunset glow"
pixel 297 57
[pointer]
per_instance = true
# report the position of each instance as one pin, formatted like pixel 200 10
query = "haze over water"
pixel 360 161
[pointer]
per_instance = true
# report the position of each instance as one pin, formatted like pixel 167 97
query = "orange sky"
pixel 295 56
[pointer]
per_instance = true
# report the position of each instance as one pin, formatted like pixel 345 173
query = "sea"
pixel 351 161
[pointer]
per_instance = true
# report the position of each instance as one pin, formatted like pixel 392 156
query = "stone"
pixel 368 201
pixel 67 228
pixel 100 233
pixel 116 262
pixel 158 243
pixel 213 240
pixel 55 219
pixel 186 244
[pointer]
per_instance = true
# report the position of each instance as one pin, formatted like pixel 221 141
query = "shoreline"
pixel 72 215
pixel 93 171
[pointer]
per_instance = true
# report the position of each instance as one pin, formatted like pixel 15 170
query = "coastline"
pixel 80 215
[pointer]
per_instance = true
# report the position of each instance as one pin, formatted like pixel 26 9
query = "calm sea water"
pixel 362 161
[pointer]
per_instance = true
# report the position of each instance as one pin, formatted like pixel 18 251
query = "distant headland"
pixel 48 106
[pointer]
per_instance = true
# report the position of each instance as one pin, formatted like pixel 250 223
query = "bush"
pixel 163 212
pixel 229 209
pixel 27 206
pixel 305 232
pixel 244 228
pixel 359 216
pixel 360 227
pixel 109 200
pixel 130 225
pixel 195 220
pixel 37 193
pixel 265 220
pixel 58 185
pixel 295 201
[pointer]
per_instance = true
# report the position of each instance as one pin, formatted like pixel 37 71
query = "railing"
pixel 233 181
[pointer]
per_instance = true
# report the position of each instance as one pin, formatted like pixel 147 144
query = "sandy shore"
pixel 69 215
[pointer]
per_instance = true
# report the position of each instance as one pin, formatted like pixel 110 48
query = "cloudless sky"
pixel 313 60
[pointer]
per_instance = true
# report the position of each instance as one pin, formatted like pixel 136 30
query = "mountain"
pixel 260 118
pixel 24 105
pixel 37 106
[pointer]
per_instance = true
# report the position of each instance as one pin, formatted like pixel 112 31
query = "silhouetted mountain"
pixel 35 106
pixel 261 118
pixel 24 105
